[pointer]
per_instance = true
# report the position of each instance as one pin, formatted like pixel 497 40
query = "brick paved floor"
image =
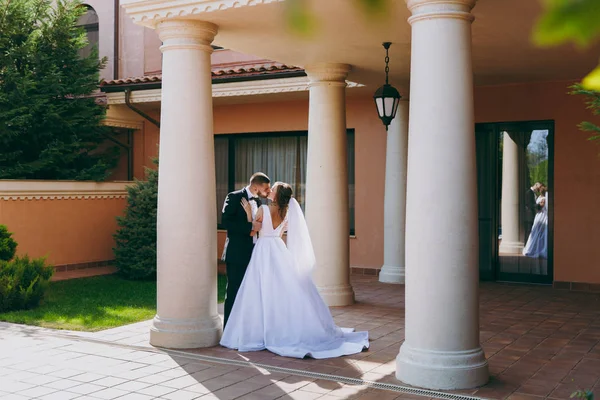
pixel 541 343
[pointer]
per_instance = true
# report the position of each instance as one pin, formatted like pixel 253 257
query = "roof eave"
pixel 113 88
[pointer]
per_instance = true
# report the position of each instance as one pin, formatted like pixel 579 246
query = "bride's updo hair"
pixel 283 194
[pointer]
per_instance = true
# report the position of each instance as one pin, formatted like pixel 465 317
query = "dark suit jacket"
pixel 530 204
pixel 235 221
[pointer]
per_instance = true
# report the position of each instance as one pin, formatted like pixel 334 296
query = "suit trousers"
pixel 235 276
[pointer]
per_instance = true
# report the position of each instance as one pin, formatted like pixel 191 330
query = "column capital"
pixel 327 73
pixel 186 34
pixel 429 9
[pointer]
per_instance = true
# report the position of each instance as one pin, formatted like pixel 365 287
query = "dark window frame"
pixel 495 128
pixel 92 27
pixel 231 137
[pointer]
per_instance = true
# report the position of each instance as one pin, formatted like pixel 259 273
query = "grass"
pixel 93 304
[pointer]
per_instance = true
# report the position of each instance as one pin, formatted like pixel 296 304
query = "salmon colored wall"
pixel 366 249
pixel 106 29
pixel 577 166
pixel 152 53
pixel 145 147
pixel 69 231
pixel 131 46
pixel 576 169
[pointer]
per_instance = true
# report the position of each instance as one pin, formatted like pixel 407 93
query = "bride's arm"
pixel 259 218
pixel 259 215
pixel 256 224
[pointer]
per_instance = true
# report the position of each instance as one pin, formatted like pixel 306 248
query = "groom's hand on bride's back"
pixel 256 226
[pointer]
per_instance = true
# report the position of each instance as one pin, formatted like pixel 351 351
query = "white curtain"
pixel 282 158
pixel 222 172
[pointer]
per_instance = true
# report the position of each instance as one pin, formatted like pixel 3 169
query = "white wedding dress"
pixel 537 243
pixel 278 307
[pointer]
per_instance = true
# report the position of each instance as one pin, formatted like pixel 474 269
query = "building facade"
pixel 439 201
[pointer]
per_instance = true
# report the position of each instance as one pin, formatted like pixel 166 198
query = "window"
pixel 89 22
pixel 281 156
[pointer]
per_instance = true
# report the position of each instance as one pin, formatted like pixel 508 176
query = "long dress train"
pixel 279 309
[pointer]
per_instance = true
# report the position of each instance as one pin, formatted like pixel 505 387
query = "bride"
pixel 537 243
pixel 278 307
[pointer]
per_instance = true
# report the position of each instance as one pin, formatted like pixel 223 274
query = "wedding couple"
pixel 537 232
pixel 271 301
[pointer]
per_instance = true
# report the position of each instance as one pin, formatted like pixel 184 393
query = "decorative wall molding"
pixel 137 96
pixel 150 12
pixel 230 89
pixel 83 265
pixel 365 271
pixel 123 123
pixel 61 190
pixel 577 286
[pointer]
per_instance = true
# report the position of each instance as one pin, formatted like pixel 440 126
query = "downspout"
pixel 137 110
pixel 116 42
pixel 130 155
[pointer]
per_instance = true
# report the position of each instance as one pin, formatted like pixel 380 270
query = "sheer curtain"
pixel 278 157
pixel 300 187
pixel 222 172
pixel 282 158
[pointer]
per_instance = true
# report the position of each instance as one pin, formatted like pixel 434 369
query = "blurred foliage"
pixel 592 101
pixel 563 21
pixel 302 21
pixel 570 21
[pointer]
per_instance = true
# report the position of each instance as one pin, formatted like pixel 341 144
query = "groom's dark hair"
pixel 259 179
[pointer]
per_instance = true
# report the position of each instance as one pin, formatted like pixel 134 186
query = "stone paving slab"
pixel 540 343
pixel 37 363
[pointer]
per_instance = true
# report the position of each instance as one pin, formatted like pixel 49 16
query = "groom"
pixel 240 242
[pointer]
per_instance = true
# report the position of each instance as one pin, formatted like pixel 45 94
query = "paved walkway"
pixel 541 343
pixel 37 363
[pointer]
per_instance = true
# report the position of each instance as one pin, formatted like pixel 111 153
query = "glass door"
pixel 515 198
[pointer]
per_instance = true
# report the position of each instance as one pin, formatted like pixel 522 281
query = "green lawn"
pixel 93 304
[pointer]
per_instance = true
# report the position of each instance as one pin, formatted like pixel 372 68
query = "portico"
pixel 431 142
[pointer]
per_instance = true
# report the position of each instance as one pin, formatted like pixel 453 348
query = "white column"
pixel 510 197
pixel 442 348
pixel 394 207
pixel 327 182
pixel 187 314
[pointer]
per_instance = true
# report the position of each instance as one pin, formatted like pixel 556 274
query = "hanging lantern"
pixel 387 97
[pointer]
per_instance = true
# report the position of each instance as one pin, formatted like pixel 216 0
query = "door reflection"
pixel 524 201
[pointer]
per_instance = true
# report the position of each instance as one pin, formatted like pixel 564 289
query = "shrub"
pixel 135 251
pixel 583 395
pixel 8 246
pixel 51 122
pixel 23 282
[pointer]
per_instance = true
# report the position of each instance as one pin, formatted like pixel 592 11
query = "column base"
pixel 186 334
pixel 392 274
pixel 337 296
pixel 511 247
pixel 442 370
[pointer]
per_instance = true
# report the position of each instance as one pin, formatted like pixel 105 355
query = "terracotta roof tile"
pixel 217 73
